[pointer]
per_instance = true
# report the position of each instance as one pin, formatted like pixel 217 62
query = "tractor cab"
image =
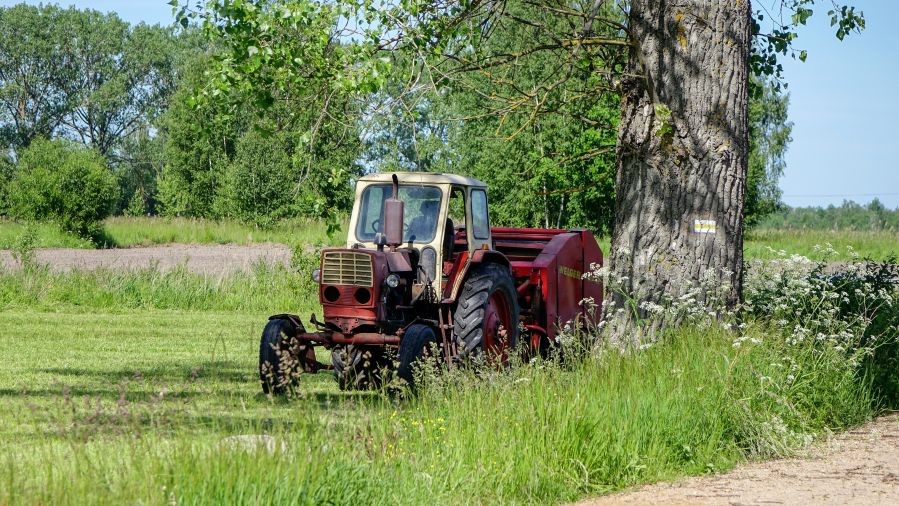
pixel 439 210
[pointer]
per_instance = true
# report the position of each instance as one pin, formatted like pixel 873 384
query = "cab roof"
pixel 422 178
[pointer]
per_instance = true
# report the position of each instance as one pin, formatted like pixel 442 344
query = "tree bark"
pixel 682 154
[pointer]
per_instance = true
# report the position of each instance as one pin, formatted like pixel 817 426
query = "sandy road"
pixel 203 259
pixel 858 467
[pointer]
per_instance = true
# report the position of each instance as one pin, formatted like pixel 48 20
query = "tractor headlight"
pixel 392 281
pixel 317 275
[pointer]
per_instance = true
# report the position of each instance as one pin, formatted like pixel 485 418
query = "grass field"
pixel 125 387
pixel 129 232
pixel 875 245
pixel 133 406
pixel 265 288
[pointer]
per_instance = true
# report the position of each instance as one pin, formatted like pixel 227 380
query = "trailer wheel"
pixel 281 357
pixel 358 367
pixel 416 346
pixel 486 318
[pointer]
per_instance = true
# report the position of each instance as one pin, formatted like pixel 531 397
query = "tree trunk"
pixel 682 154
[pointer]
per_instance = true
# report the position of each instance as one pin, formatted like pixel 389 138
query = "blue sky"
pixel 844 103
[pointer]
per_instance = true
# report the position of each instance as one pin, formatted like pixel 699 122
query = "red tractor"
pixel 423 267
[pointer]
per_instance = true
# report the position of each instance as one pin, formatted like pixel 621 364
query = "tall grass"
pixel 46 235
pixel 542 433
pixel 149 231
pixel 267 287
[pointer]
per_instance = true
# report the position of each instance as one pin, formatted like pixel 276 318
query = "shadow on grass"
pixel 203 380
pixel 127 407
pixel 228 371
pixel 101 238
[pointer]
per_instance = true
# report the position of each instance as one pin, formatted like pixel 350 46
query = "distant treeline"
pixel 848 216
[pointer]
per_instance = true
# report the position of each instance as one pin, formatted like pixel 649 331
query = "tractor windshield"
pixel 422 208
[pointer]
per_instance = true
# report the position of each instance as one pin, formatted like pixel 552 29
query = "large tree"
pixel 257 157
pixel 554 168
pixel 34 73
pixel 80 74
pixel 769 136
pixel 683 146
pixel 122 77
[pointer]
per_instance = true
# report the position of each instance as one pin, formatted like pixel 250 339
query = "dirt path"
pixel 203 259
pixel 857 467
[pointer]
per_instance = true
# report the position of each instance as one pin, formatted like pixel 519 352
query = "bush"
pixel 259 184
pixel 852 310
pixel 59 181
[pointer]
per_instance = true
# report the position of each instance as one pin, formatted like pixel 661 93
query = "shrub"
pixel 851 309
pixel 59 181
pixel 259 184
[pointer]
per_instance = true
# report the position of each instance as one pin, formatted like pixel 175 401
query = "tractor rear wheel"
pixel 486 319
pixel 281 356
pixel 358 367
pixel 416 346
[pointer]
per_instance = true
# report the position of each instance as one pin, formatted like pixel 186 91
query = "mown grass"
pixel 124 232
pixel 133 406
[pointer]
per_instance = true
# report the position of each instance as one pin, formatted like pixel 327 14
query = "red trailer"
pixel 548 266
pixel 423 267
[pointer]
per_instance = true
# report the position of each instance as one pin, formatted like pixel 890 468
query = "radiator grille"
pixel 347 268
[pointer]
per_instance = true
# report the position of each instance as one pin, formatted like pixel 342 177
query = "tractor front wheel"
pixel 417 345
pixel 486 319
pixel 282 357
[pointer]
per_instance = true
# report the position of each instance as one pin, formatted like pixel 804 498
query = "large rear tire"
pixel 416 346
pixel 358 367
pixel 281 357
pixel 486 319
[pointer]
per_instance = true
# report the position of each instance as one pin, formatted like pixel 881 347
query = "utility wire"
pixel 844 195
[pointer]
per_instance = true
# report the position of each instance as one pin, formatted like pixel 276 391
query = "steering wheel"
pixel 376 226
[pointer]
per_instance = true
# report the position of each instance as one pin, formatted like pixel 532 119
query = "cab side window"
pixel 457 207
pixel 457 219
pixel 480 220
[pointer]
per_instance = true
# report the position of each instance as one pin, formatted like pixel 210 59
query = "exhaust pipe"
pixel 393 217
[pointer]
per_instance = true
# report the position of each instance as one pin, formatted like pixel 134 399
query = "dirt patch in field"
pixel 857 467
pixel 202 259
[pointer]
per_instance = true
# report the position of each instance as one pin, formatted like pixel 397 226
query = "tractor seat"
pixel 449 236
